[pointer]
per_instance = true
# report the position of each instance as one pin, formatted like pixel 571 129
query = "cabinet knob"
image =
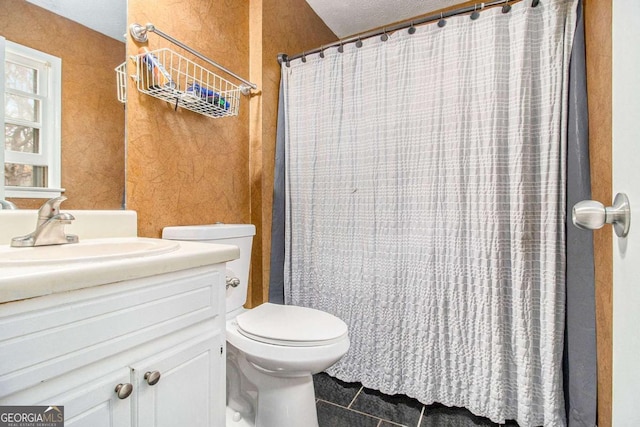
pixel 124 390
pixel 152 377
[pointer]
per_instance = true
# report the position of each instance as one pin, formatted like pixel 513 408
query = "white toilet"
pixel 272 350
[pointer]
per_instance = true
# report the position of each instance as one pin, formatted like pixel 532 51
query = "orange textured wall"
pixel 598 39
pixel 183 167
pixel 92 117
pixel 288 26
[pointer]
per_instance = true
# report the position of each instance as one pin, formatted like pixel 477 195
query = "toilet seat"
pixel 291 326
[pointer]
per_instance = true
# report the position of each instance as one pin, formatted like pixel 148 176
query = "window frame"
pixel 49 76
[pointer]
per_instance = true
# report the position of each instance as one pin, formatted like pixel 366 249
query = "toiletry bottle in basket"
pixel 209 96
pixel 160 77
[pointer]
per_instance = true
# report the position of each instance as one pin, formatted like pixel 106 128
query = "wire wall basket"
pixel 166 75
pixel 121 80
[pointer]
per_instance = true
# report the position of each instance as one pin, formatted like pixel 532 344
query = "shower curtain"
pixel 425 206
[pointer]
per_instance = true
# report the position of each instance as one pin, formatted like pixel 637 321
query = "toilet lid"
pixel 291 325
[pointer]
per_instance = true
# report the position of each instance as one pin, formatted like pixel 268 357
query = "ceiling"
pixel 344 17
pixel 105 16
pixel 349 17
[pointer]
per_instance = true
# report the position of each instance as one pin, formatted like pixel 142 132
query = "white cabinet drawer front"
pixel 88 325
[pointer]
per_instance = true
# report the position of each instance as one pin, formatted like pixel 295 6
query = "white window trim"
pixel 51 113
pixel 2 137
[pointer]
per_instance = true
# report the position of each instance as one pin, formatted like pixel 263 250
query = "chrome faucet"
pixel 50 227
pixel 5 204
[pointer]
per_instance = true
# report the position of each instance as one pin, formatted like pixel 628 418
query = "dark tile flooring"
pixel 343 404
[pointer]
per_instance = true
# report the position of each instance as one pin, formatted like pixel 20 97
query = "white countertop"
pixel 88 224
pixel 28 281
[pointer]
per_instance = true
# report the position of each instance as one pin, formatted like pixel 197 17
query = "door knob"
pixel 591 215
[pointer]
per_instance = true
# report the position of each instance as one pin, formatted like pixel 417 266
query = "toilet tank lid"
pixel 208 231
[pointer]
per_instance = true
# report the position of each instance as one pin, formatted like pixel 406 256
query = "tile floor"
pixel 343 404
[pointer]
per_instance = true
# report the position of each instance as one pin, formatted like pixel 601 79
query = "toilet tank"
pixel 240 235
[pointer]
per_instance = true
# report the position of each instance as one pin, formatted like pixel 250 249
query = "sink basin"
pixel 86 251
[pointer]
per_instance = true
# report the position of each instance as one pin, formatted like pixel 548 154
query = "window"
pixel 31 116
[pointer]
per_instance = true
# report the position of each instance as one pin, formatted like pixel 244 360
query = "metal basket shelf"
pixel 121 81
pixel 166 75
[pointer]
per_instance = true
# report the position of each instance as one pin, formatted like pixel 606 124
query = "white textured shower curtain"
pixel 425 191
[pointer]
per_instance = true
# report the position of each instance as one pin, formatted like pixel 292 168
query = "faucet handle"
pixel 6 204
pixel 50 208
pixel 50 228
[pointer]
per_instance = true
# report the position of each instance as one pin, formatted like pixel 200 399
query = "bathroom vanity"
pixel 134 340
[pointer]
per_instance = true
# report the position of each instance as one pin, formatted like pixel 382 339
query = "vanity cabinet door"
pixel 96 403
pixel 183 386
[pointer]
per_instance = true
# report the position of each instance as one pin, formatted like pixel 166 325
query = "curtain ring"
pixel 442 22
pixel 535 3
pixel 475 14
pixel 507 7
pixel 304 57
pixel 412 29
pixel 321 51
pixel 384 37
pixel 341 48
pixel 359 43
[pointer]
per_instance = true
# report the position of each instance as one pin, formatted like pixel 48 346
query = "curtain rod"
pixel 474 10
pixel 139 34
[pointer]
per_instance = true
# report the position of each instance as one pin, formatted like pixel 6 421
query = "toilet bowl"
pixel 278 356
pixel 272 350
